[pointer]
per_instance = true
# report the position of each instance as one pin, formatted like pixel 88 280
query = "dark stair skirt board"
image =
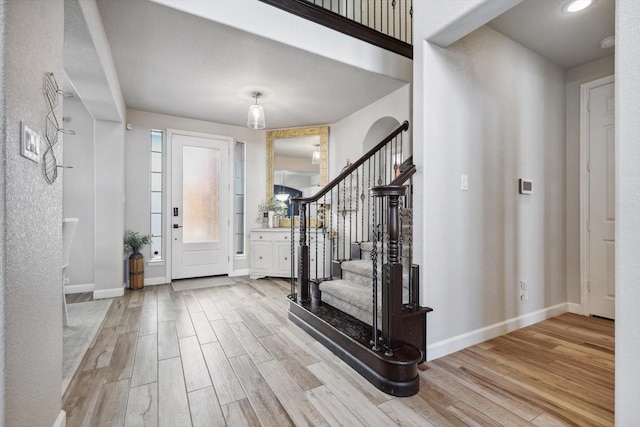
pixel 396 375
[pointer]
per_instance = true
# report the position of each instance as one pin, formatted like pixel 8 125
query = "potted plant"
pixel 134 241
pixel 271 204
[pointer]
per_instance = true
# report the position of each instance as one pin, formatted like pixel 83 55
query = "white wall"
pixel 627 124
pixel 574 78
pixel 32 242
pixel 347 136
pixel 494 111
pixel 137 165
pixel 79 190
pixel 109 210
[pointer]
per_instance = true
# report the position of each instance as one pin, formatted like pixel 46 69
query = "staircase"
pixel 366 308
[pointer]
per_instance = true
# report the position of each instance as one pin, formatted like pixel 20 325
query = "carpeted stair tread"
pixel 350 297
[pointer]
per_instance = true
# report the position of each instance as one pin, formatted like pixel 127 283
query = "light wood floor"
pixel 228 356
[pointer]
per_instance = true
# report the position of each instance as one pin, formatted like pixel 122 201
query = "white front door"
pixel 602 201
pixel 200 206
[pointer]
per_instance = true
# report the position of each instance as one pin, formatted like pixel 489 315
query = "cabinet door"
pixel 283 258
pixel 260 256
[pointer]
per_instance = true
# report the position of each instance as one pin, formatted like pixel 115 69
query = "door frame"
pixel 584 188
pixel 169 182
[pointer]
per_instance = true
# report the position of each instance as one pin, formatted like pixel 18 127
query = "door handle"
pixel 177 226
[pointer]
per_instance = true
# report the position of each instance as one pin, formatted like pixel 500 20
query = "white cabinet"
pixel 270 253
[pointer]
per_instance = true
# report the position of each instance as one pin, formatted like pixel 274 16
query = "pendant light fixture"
pixel 315 157
pixel 256 114
pixel 282 196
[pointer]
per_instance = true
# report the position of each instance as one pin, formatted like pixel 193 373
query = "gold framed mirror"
pixel 307 139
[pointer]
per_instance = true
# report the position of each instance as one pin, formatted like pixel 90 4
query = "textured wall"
pixel 627 208
pixel 2 209
pixel 494 111
pixel 34 37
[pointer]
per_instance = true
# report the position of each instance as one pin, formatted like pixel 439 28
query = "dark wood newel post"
pixel 303 264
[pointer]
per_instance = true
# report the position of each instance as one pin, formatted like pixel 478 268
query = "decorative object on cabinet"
pixel 134 241
pixel 271 205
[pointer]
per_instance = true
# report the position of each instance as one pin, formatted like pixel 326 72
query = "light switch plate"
pixel 464 182
pixel 30 143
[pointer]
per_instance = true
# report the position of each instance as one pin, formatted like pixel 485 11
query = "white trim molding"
pixel 453 344
pixel 584 188
pixel 78 289
pixel 109 293
pixel 155 281
pixel 61 421
pixel 575 308
pixel 236 273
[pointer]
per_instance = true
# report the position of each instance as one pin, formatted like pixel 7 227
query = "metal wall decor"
pixel 52 128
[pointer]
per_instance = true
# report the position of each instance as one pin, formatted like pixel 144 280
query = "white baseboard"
pixel 154 281
pixel 236 273
pixel 108 293
pixel 453 344
pixel 61 421
pixel 78 289
pixel 575 308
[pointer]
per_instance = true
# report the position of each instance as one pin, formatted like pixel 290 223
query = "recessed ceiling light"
pixel 573 6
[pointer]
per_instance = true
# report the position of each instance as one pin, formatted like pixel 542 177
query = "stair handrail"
pixel 352 167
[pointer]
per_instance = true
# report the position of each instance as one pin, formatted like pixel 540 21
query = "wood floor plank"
pixel 131 319
pixel 145 366
pixel 98 357
pixel 332 408
pixel 165 310
pixel 196 375
pixel 251 344
pixel 367 412
pixel 265 404
pixel 559 372
pixel 164 293
pixel 167 340
pixel 173 404
pixel 150 297
pixel 210 309
pixel 203 328
pixel 80 399
pixel 142 406
pixel 302 376
pixel 298 407
pixel 227 338
pixel 148 321
pixel 112 404
pixel 205 410
pixel 223 376
pixel 184 326
pixel 121 363
pixel 192 302
pixel 136 299
pixel 402 414
pixel 240 414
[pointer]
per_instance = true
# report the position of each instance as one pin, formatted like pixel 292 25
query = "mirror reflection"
pixel 296 163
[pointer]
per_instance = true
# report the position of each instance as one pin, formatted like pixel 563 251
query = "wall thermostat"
pixel 526 186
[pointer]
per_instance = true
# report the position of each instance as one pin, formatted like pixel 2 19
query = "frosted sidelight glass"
pixel 200 195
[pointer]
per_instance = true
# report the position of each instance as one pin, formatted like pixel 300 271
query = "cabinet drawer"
pixel 261 256
pixel 257 236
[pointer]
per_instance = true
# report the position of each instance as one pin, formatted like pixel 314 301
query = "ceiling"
pixel 567 40
pixel 175 63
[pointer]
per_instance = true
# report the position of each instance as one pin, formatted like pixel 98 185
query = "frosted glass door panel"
pixel 200 194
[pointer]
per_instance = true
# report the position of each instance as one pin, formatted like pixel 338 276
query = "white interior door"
pixel 602 201
pixel 200 205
